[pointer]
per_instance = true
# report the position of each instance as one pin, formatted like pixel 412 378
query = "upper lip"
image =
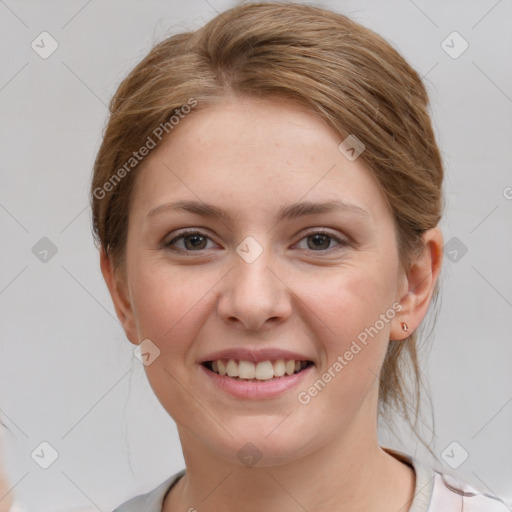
pixel 255 355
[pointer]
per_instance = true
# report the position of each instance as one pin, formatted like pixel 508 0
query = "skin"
pixel 251 157
pixel 5 489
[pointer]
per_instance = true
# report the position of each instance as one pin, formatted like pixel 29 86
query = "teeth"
pixel 264 370
pixel 246 370
pixel 221 367
pixel 232 368
pixel 279 368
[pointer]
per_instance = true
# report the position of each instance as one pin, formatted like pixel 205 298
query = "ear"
pixel 418 285
pixel 120 294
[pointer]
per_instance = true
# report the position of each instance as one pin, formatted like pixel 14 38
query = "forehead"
pixel 254 153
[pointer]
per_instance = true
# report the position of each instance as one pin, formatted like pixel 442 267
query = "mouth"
pixel 249 371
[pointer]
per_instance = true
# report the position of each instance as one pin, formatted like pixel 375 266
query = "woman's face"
pixel 268 281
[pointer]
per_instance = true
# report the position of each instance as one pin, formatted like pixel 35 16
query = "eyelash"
pixel 184 234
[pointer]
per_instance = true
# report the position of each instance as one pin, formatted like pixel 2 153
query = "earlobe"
pixel 420 282
pixel 120 296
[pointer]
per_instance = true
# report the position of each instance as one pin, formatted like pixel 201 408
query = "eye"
pixel 192 241
pixel 320 241
pixel 196 241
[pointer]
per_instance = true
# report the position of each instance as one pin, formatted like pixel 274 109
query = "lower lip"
pixel 264 389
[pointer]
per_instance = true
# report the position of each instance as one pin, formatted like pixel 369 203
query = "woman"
pixel 266 201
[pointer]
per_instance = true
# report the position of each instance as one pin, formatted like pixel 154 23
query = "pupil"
pixel 197 239
pixel 317 237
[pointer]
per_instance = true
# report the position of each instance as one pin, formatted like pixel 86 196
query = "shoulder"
pixel 151 501
pixel 451 493
pixel 436 491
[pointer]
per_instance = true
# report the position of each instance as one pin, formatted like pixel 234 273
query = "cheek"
pixel 359 309
pixel 171 306
pixel 349 299
pixel 354 304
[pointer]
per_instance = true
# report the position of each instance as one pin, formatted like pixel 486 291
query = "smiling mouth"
pixel 256 372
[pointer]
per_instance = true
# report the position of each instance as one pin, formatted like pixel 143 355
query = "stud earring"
pixel 405 327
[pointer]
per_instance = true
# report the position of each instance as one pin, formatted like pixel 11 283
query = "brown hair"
pixel 319 59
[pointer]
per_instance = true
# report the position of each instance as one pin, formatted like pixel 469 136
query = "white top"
pixel 434 492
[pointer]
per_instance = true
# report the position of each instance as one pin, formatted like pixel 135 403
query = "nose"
pixel 253 296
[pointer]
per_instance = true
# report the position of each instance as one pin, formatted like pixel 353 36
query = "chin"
pixel 254 446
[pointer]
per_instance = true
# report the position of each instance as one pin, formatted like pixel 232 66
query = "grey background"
pixel 67 373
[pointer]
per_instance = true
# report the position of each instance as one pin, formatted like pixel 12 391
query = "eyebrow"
pixel 285 213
